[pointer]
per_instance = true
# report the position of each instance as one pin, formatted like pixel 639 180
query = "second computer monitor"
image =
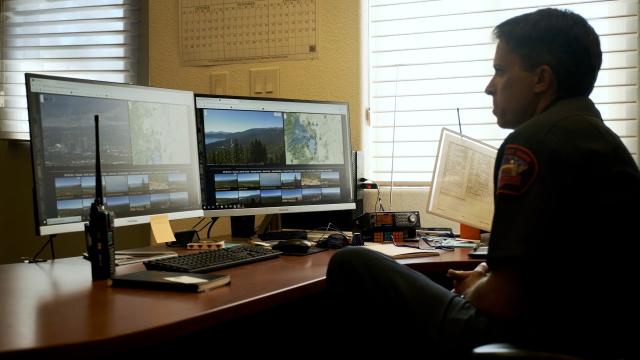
pixel 265 156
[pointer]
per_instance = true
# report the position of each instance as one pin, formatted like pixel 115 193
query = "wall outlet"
pixel 265 82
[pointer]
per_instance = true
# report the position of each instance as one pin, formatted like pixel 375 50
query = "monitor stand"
pixel 243 226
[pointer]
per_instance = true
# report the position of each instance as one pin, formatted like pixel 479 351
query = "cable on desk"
pixel 34 258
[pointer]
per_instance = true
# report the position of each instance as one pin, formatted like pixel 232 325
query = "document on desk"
pixel 400 252
pixel 454 243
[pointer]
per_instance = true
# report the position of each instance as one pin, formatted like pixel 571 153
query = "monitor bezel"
pixel 78 226
pixel 281 209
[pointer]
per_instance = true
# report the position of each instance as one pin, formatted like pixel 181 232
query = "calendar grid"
pixel 231 31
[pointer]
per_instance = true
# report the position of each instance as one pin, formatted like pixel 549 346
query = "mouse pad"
pixel 312 250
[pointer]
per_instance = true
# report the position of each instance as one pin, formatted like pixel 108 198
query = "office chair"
pixel 507 351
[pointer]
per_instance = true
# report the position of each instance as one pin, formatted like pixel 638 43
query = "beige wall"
pixel 334 75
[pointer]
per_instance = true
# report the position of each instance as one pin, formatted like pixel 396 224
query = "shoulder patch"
pixel 518 170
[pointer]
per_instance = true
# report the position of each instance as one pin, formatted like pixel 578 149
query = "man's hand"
pixel 497 293
pixel 465 280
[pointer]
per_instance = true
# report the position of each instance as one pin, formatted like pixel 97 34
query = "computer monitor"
pixel 268 156
pixel 462 184
pixel 148 151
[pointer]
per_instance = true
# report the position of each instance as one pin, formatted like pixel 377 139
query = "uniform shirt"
pixel 567 193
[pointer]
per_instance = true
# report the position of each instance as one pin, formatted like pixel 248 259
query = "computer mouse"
pixel 294 246
pixel 333 241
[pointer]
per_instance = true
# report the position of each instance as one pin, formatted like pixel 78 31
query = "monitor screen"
pixel 265 156
pixel 148 151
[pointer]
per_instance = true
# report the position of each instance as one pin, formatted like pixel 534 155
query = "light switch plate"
pixel 218 83
pixel 265 82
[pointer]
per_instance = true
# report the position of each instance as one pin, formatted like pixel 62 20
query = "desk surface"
pixel 54 306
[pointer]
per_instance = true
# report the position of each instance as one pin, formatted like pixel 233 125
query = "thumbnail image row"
pixel 276 196
pixel 123 205
pixel 283 180
pixel 77 186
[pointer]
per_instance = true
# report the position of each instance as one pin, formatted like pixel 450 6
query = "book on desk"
pixel 400 252
pixel 165 280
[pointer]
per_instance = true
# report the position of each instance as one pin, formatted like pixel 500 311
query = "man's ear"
pixel 545 80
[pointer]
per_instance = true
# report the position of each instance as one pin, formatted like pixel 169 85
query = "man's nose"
pixel 489 90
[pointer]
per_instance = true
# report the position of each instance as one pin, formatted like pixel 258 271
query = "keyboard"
pixel 212 260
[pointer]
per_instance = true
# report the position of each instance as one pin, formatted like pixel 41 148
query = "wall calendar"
pixel 216 32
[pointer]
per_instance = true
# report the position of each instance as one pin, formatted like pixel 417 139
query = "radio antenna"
pixel 393 137
pixel 99 200
pixel 459 122
pixel 98 232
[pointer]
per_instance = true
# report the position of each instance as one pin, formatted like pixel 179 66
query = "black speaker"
pixel 357 169
pixel 184 237
pixel 243 226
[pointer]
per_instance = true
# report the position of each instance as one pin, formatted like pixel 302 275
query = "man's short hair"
pixel 560 39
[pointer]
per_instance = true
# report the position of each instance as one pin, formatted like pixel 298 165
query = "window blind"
pixel 91 39
pixel 431 60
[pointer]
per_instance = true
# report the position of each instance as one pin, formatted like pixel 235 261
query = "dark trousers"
pixel 399 310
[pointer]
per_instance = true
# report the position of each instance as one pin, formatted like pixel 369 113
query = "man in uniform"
pixel 567 191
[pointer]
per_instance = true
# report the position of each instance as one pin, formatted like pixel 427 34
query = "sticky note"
pixel 160 229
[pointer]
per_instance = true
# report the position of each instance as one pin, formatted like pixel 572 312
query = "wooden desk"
pixel 55 308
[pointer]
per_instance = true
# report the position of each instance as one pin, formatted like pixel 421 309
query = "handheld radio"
pixel 99 231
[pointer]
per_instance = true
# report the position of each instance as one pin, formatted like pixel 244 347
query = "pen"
pixel 407 245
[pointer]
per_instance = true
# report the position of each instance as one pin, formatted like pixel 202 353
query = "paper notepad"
pixel 400 252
